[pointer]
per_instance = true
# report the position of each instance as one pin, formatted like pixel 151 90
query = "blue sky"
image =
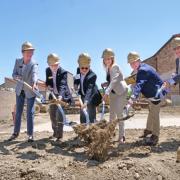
pixel 70 27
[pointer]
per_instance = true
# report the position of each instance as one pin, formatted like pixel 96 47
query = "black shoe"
pixel 58 139
pixel 30 139
pixel 153 140
pixel 53 136
pixel 72 123
pixel 13 136
pixel 122 140
pixel 145 134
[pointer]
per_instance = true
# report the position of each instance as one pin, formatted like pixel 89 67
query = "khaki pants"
pixel 153 121
pixel 117 104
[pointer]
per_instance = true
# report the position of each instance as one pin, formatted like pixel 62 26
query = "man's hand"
pixel 166 84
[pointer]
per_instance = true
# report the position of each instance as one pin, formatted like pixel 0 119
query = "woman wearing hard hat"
pixel 116 90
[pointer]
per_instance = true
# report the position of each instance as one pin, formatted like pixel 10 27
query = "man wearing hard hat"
pixel 25 69
pixel 85 83
pixel 56 81
pixel 148 82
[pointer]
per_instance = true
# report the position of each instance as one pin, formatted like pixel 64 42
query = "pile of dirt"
pixel 97 137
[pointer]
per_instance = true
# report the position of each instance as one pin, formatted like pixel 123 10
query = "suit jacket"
pixel 117 84
pixel 29 75
pixel 177 65
pixel 91 92
pixel 148 81
pixel 176 79
pixel 61 83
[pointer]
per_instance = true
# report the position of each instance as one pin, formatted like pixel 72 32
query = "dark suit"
pixel 177 77
pixel 61 83
pixel 177 65
pixel 91 94
pixel 63 90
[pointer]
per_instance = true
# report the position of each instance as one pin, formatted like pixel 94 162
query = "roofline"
pixel 41 83
pixel 172 37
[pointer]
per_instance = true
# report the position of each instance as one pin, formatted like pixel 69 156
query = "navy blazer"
pixel 91 93
pixel 148 81
pixel 61 83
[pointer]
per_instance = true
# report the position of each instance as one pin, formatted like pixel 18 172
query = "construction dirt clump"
pixel 97 138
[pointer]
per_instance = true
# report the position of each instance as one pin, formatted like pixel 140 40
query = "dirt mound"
pixel 98 138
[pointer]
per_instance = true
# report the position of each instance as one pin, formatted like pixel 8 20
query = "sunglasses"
pixel 84 68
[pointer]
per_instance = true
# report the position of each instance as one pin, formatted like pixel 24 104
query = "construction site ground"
pixel 47 159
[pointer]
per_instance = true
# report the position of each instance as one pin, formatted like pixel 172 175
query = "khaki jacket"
pixel 116 81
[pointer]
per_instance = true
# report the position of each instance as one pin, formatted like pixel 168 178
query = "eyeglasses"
pixel 84 68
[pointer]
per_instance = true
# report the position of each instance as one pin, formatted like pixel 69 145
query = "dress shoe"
pixel 30 139
pixel 152 141
pixel 13 136
pixel 145 134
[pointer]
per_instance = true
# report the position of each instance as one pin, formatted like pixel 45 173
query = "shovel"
pixel 84 109
pixel 103 110
pixel 60 109
pixel 39 97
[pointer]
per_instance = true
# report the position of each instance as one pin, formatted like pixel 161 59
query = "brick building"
pixel 164 62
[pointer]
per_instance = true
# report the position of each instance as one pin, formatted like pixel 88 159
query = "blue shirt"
pixel 148 81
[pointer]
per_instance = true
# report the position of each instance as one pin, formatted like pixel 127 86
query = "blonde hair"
pixel 113 61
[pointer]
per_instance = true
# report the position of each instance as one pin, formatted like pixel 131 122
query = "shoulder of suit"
pixel 62 71
pixel 48 69
pixel 115 66
pixel 19 60
pixel 91 73
pixel 146 68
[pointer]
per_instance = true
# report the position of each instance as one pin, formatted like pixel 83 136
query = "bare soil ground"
pixel 67 160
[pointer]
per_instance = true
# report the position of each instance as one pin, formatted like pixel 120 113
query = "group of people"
pixel 148 82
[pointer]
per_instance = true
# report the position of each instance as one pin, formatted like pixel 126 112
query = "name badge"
pixel 50 77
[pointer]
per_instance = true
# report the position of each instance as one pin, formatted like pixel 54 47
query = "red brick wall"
pixel 164 63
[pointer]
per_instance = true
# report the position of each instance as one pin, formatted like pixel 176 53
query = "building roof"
pixel 173 36
pixel 41 83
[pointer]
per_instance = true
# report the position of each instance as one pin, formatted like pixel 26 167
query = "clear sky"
pixel 70 27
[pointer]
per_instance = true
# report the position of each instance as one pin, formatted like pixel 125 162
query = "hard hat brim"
pixel 28 49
